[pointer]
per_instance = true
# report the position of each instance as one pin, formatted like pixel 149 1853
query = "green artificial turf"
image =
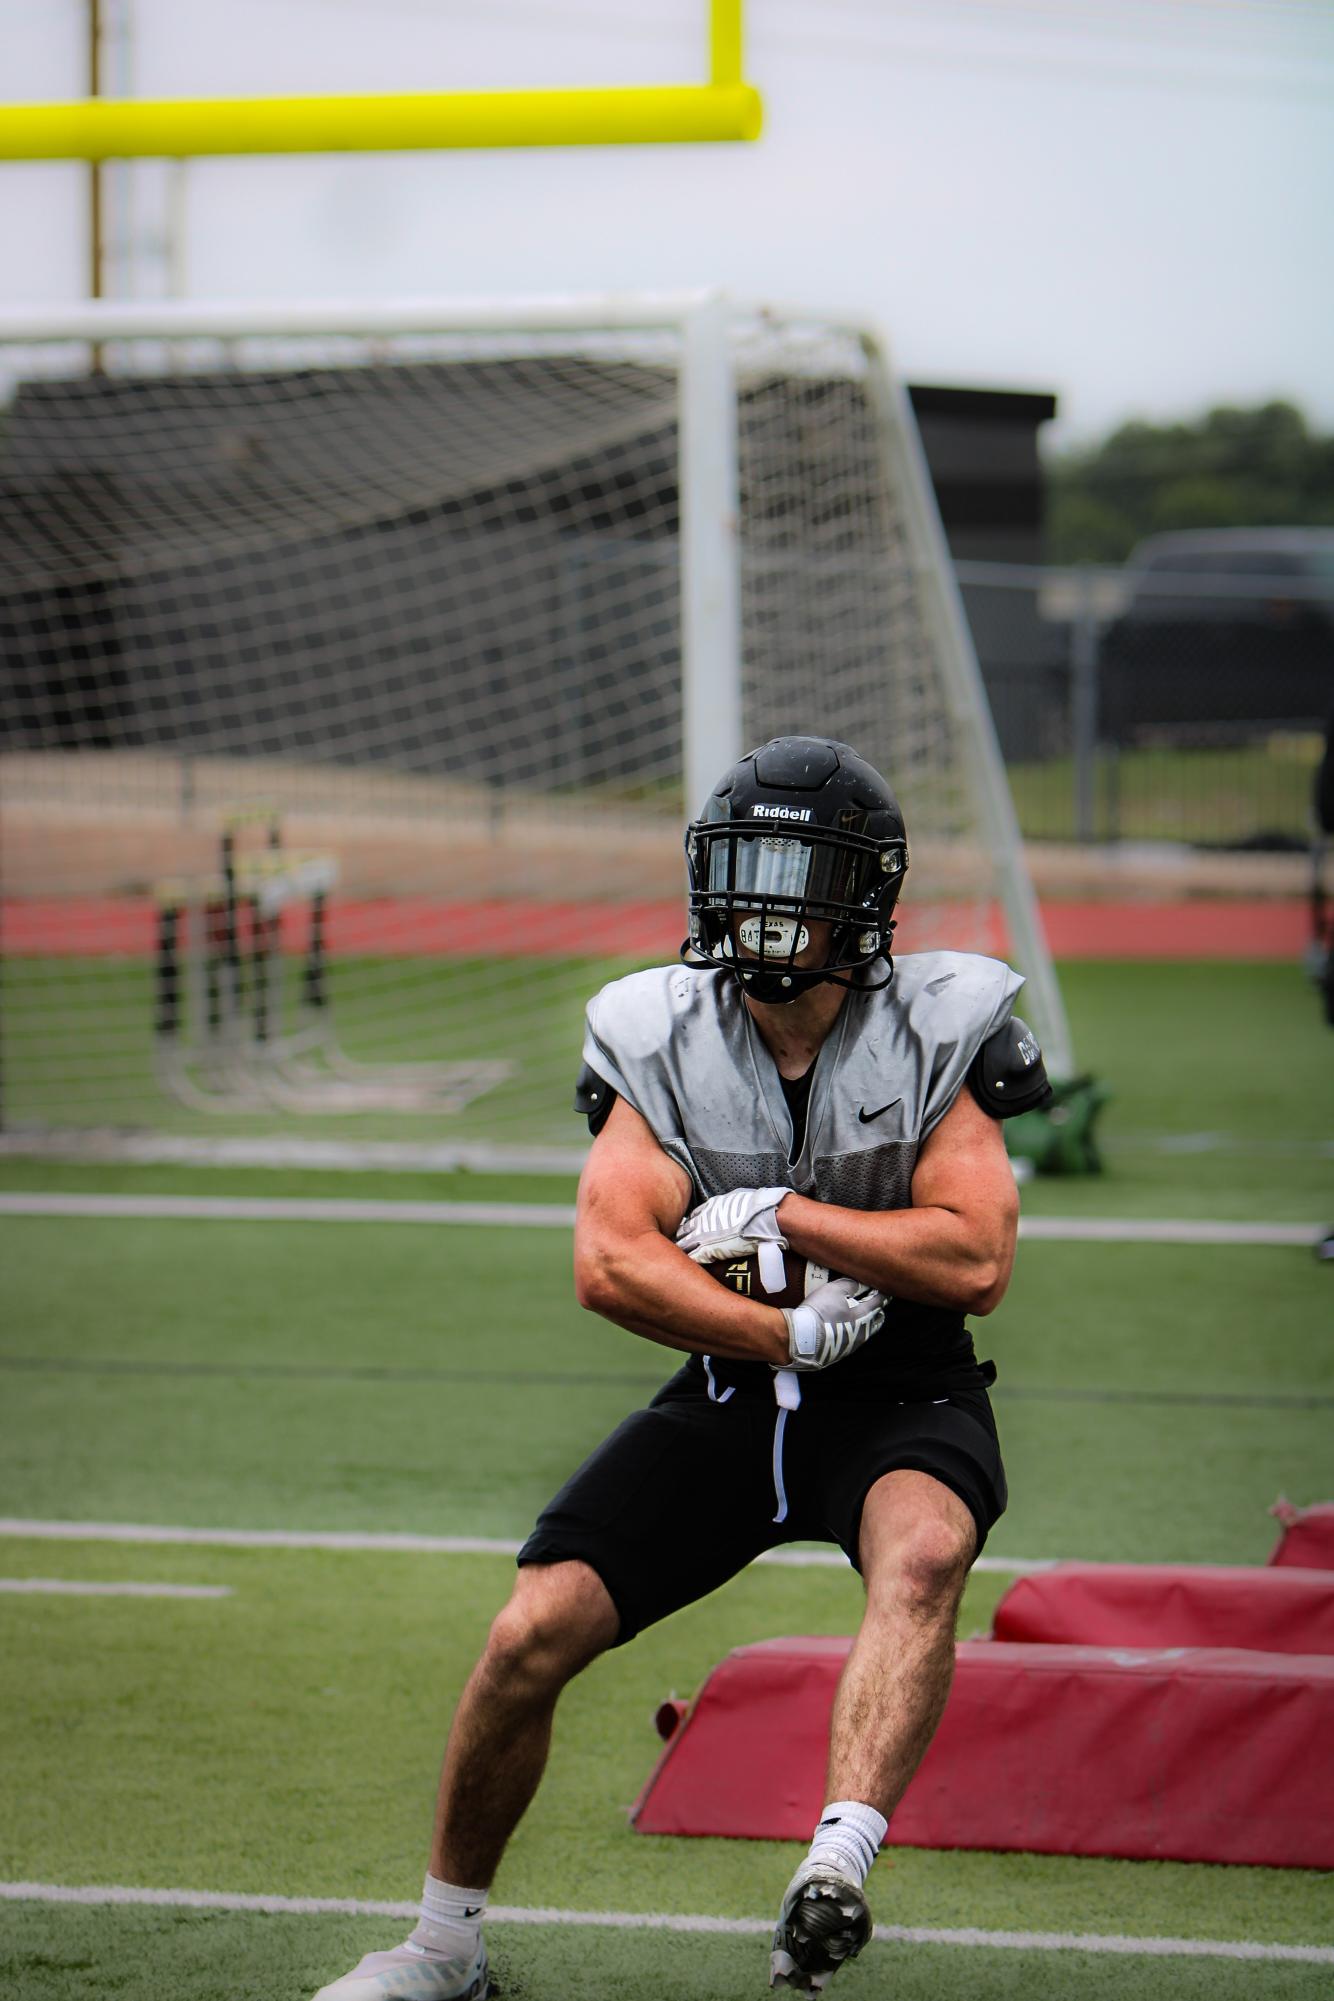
pixel 285 1741
pixel 1222 1094
pixel 67 1954
pixel 1235 1049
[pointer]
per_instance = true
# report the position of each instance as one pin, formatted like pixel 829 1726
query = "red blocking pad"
pixel 1206 1755
pixel 749 1758
pixel 1275 1611
pixel 1308 1536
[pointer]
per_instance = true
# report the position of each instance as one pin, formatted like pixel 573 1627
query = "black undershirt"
pixel 797 1091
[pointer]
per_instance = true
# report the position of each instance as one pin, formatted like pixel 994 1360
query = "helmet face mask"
pixel 801 832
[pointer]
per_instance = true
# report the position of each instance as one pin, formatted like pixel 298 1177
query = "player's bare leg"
pixel 917 1540
pixel 558 1619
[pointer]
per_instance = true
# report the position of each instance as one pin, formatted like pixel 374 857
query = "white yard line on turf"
pixel 289 1209
pixel 400 1545
pixel 68 1587
pixel 352 1156
pixel 509 1914
pixel 558 1216
pixel 1164 1230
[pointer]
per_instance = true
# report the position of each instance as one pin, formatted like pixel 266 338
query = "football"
pixel 743 1275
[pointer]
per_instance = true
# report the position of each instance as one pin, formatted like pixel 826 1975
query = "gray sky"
pixel 1126 201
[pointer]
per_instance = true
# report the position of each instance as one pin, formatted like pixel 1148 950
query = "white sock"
pixel 451 1920
pixel 848 1837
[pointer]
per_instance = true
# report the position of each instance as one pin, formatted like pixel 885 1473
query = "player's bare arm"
pixel 632 1197
pixel 954 1247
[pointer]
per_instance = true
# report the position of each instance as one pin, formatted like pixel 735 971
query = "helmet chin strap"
pixel 856 986
pixel 775 989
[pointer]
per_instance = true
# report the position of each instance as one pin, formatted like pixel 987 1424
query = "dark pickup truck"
pixel 1225 627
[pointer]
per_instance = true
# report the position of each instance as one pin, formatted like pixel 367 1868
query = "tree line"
pixel 1231 468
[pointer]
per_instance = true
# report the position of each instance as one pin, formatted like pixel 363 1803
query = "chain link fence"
pixel 1157 706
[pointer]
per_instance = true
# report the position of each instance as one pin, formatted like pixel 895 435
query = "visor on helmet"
pixel 751 869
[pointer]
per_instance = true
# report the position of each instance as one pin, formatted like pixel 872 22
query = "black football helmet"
pixel 801 828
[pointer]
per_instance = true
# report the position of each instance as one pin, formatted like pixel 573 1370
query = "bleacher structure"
pixel 467 605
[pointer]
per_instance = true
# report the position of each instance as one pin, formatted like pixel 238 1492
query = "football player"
pixel 790 1088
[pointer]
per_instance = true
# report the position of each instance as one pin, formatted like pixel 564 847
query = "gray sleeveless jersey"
pixel 679 1045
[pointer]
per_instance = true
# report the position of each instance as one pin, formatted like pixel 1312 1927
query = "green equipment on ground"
pixel 1059 1137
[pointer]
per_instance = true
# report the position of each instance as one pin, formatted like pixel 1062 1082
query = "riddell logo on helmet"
pixel 781 812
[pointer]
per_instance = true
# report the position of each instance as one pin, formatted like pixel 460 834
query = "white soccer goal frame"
pixel 709 504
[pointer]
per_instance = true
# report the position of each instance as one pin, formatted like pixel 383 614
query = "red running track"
pixel 422 927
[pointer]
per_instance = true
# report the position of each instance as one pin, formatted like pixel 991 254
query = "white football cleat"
pixel 823 1921
pixel 407 1974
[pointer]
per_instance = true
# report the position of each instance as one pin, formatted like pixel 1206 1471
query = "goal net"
pixel 361 668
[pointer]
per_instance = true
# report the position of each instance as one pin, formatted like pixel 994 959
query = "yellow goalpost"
pixel 96 128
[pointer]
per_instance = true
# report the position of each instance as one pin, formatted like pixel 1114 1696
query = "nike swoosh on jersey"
pixel 866 1117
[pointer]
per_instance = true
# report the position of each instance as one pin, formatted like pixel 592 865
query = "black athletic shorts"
pixel 684 1494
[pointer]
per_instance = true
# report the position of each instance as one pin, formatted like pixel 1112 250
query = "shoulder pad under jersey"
pixel 954 996
pixel 632 1020
pixel 594 1097
pixel 630 1030
pixel 949 1003
pixel 1008 1075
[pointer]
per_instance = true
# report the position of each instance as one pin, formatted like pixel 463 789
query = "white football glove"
pixel 740 1224
pixel 832 1322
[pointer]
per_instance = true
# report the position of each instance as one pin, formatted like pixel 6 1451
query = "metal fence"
pixel 1163 708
